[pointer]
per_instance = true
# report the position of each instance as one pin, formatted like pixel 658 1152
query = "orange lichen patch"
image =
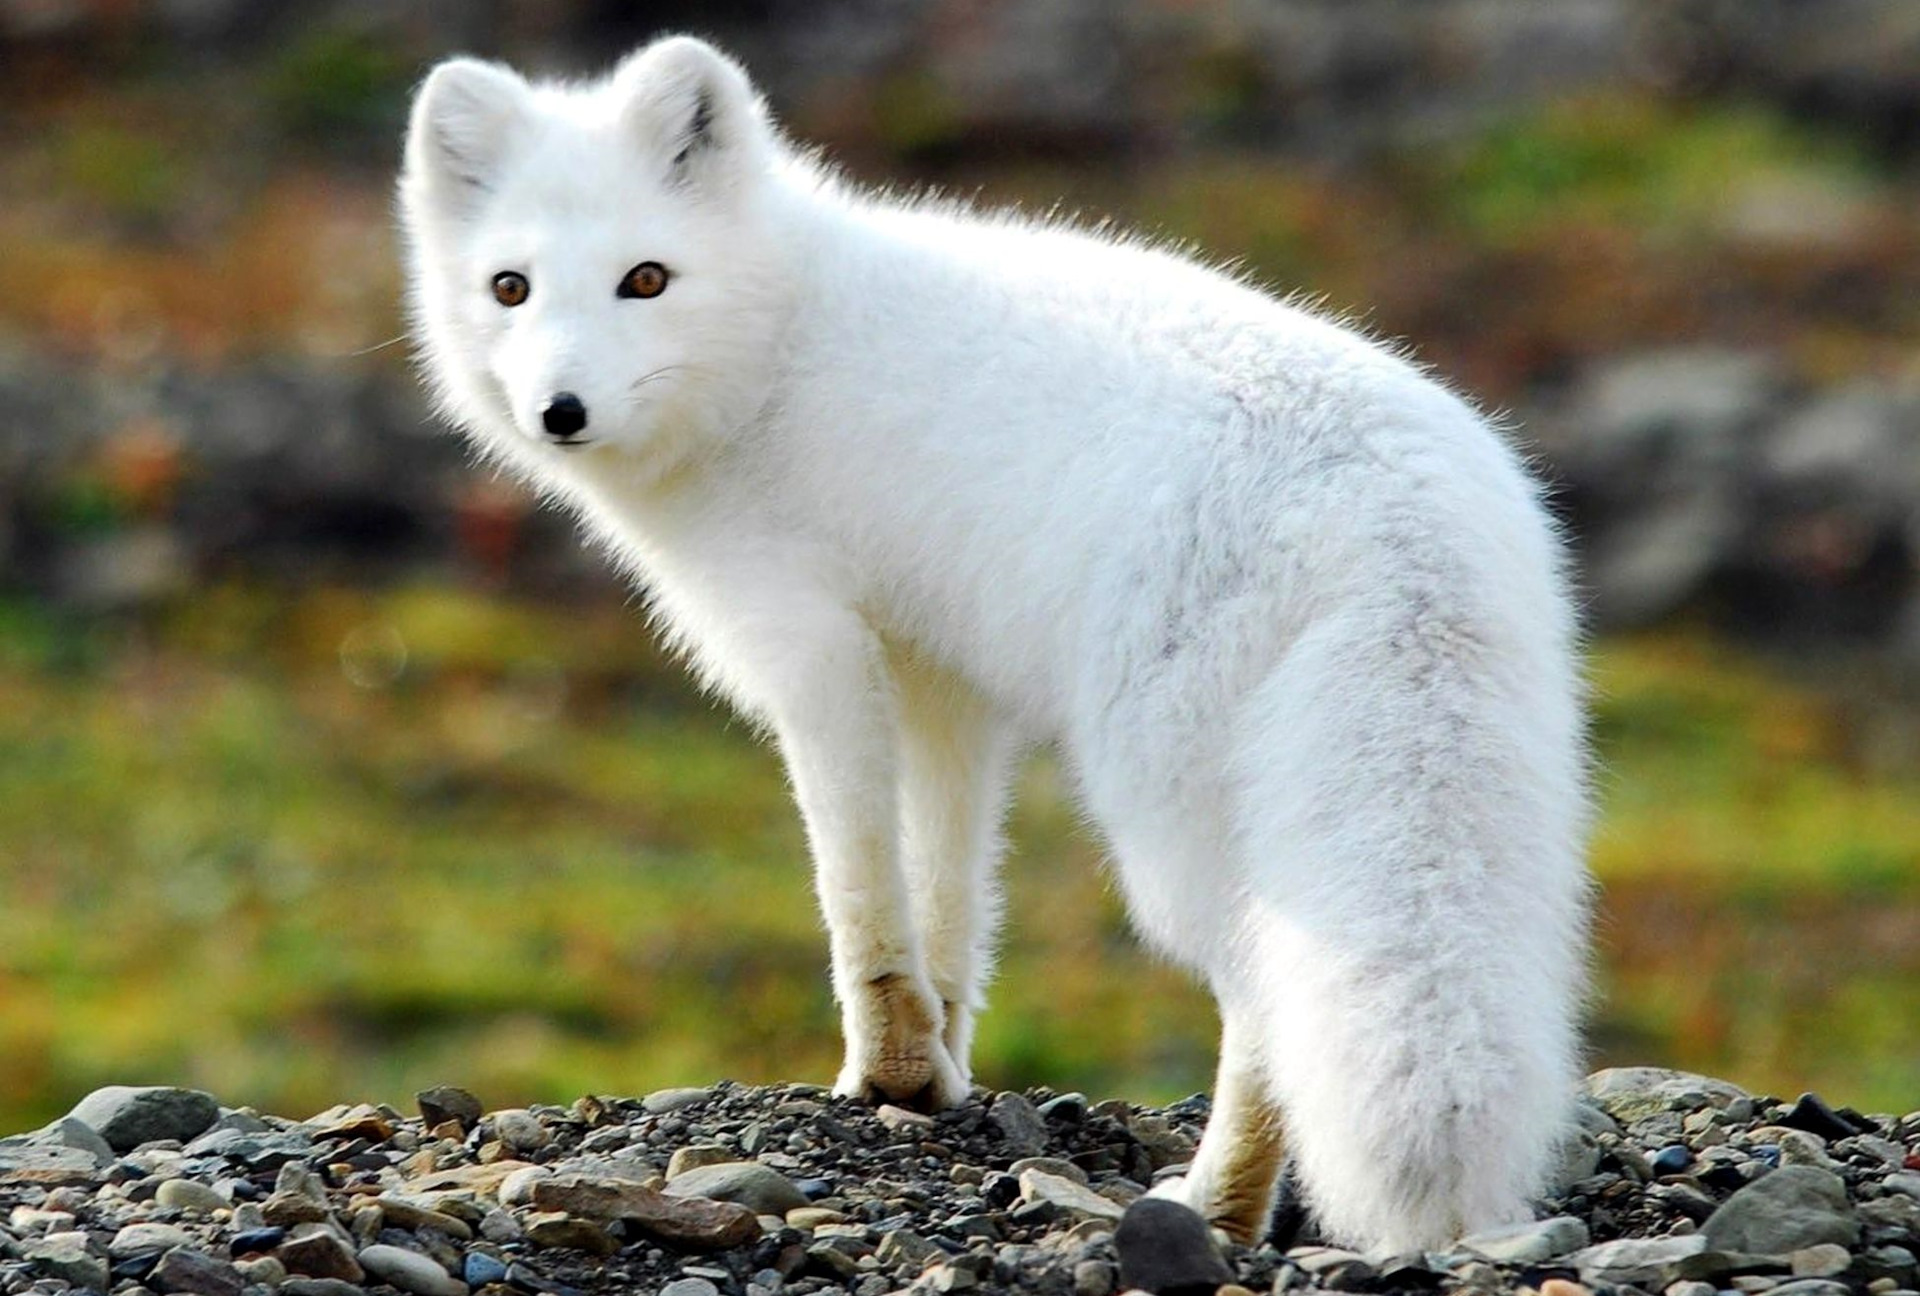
pixel 142 464
pixel 309 266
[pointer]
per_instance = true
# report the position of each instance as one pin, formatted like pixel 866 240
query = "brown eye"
pixel 648 279
pixel 510 289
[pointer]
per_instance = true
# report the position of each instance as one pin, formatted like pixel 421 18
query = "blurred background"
pixel 330 767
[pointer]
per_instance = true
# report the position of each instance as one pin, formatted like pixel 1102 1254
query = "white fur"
pixel 915 486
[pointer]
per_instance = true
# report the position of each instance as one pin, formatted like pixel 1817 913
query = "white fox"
pixel 917 487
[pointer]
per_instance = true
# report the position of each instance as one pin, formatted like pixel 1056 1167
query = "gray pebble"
pixel 127 1116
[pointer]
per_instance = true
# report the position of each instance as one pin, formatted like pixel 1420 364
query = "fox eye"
pixel 648 279
pixel 510 289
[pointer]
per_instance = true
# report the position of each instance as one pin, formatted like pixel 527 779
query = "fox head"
pixel 593 267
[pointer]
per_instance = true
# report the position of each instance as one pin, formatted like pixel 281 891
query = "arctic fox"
pixel 916 487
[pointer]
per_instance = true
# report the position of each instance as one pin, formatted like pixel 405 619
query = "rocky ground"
pixel 1677 1184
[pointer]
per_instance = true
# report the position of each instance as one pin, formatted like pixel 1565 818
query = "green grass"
pixel 1632 162
pixel 518 854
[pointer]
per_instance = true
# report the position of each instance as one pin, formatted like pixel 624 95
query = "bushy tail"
pixel 1416 936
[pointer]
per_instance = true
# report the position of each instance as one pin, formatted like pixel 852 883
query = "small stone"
pixel 812 1217
pixel 1051 1165
pixel 185 1270
pixel 1629 1093
pixel 190 1195
pixel 286 1209
pixel 1811 1114
pixel 499 1225
pixel 45 1166
pixel 902 1121
pixel 1067 1109
pixel 1635 1261
pixel 479 1269
pixel 559 1229
pixel 255 1239
pixel 138 1239
pixel 520 1130
pixel 318 1251
pixel 67 1255
pixel 32 1219
pixel 690 1287
pixel 1018 1123
pixel 1074 1200
pixel 1094 1278
pixel 517 1188
pixel 410 1271
pixel 1562 1287
pixel 1166 1248
pixel 695 1155
pixel 1165 1145
pixel 71 1132
pixel 686 1221
pixel 444 1103
pixel 1690 1287
pixel 360 1121
pixel 948 1278
pixel 263 1270
pixel 319 1287
pixel 1530 1243
pixel 1335 1268
pixel 662 1101
pixel 127 1115
pixel 1827 1260
pixel 901 1248
pixel 1800 1148
pixel 1811 1287
pixel 402 1213
pixel 1672 1159
pixel 833 1261
pixel 763 1190
pixel 1793 1208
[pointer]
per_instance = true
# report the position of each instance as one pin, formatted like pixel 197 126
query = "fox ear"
pixel 694 110
pixel 465 116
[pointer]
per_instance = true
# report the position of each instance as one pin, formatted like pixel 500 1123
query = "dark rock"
pixel 67 1256
pixel 1000 1190
pixel 1019 1123
pixel 1165 1248
pixel 1636 1261
pixel 748 1183
pixel 481 1269
pixel 1672 1159
pixel 318 1287
pixel 444 1103
pixel 127 1116
pixel 185 1270
pixel 686 1220
pixel 1067 1109
pixel 1809 1113
pixel 260 1239
pixel 1792 1208
pixel 319 1252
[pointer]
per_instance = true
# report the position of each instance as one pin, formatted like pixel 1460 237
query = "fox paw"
pixel 1242 1218
pixel 895 1050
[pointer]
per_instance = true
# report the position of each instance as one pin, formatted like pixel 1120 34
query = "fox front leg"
pixel 836 721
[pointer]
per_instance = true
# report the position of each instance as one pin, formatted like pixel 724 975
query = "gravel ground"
pixel 1678 1184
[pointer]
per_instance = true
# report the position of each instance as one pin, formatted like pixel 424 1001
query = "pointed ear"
pixel 694 112
pixel 465 116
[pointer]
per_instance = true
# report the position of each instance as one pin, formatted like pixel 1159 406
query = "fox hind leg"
pixel 1236 1171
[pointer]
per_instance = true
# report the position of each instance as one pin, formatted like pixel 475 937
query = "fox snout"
pixel 564 416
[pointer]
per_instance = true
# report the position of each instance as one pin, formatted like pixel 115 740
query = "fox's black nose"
pixel 564 416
